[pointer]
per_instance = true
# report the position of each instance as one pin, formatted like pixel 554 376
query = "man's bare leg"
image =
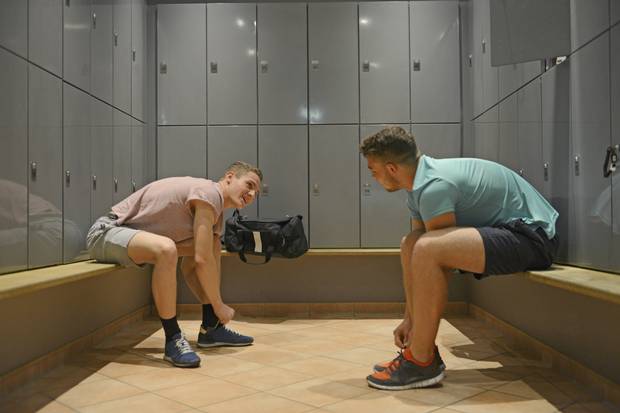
pixel 149 248
pixel 433 254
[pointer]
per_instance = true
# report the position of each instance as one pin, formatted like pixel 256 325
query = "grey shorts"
pixel 107 242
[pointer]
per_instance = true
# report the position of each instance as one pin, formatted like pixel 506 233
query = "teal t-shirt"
pixel 480 193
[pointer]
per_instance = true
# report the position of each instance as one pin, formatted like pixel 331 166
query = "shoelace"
pixel 233 332
pixel 183 346
pixel 394 364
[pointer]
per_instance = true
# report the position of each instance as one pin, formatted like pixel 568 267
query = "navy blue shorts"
pixel 516 247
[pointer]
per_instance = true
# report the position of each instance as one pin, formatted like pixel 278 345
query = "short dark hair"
pixel 392 144
pixel 240 168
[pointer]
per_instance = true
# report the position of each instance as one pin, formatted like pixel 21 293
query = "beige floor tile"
pixel 94 393
pixel 484 378
pixel 130 363
pixel 279 339
pixel 380 401
pixel 363 356
pixel 62 379
pixel 591 407
pixel 144 403
pixel 316 346
pixel 205 392
pixel 318 366
pixel 442 395
pixel 270 356
pixel 355 377
pixel 493 402
pixel 223 366
pixel 319 392
pixel 535 387
pixel 267 378
pixel 258 403
pixel 162 378
pixel 33 403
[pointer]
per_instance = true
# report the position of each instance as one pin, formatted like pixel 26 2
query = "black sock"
pixel 209 319
pixel 171 327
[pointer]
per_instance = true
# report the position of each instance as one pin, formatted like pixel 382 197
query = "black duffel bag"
pixel 268 238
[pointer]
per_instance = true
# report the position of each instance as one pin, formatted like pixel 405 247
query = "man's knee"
pixel 425 248
pixel 166 250
pixel 407 243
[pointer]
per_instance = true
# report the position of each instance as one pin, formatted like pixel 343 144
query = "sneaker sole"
pixel 217 344
pixel 415 385
pixel 169 360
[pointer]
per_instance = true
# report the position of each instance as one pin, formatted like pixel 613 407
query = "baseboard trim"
pixel 322 310
pixel 55 358
pixel 521 342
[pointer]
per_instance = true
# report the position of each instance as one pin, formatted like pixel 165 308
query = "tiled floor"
pixel 300 366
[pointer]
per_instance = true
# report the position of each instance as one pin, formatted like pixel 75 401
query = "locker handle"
pixel 94 182
pixel 68 177
pixel 163 68
pixel 133 186
pixel 115 39
pixel 265 190
pixel 611 158
pixel 33 170
pixel 546 170
pixel 315 189
pixel 416 65
pixel 94 20
pixel 577 165
pixel 115 185
pixel 133 55
pixel 315 64
pixel 68 3
pixel 366 66
pixel 484 45
pixel 213 66
pixel 366 189
pixel 264 66
pixel 470 59
pixel 520 172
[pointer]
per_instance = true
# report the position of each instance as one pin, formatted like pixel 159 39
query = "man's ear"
pixel 391 167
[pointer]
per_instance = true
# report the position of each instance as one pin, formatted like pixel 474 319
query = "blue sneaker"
pixel 220 336
pixel 179 353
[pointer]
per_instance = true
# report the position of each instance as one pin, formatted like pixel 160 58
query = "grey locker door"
pixel 440 140
pixel 615 134
pixel 138 58
pixel 227 144
pixel 231 53
pixel 138 155
pixel 385 218
pixel 181 151
pixel 181 54
pixel 334 186
pixel 77 23
pixel 333 75
pixel 102 50
pixel 588 18
pixel 13 162
pixel 435 74
pixel 102 158
pixel 45 157
pixel 508 139
pixel 282 73
pixel 76 177
pixel 122 55
pixel 478 16
pixel 283 159
pixel 45 34
pixel 384 62
pixel 615 11
pixel 14 26
pixel 590 135
pixel 122 156
pixel 486 135
pixel 490 74
pixel 556 147
pixel 529 126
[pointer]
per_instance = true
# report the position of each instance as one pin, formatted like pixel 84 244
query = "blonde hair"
pixel 240 168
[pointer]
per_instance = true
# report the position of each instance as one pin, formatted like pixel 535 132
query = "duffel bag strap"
pixel 244 258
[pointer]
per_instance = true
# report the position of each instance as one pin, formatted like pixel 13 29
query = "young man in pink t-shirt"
pixel 172 218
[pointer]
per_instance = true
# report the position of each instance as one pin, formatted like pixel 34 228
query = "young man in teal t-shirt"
pixel 467 214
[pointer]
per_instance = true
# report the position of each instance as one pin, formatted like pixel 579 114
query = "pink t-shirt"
pixel 163 207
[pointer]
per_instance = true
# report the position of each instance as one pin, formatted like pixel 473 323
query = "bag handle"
pixel 244 259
